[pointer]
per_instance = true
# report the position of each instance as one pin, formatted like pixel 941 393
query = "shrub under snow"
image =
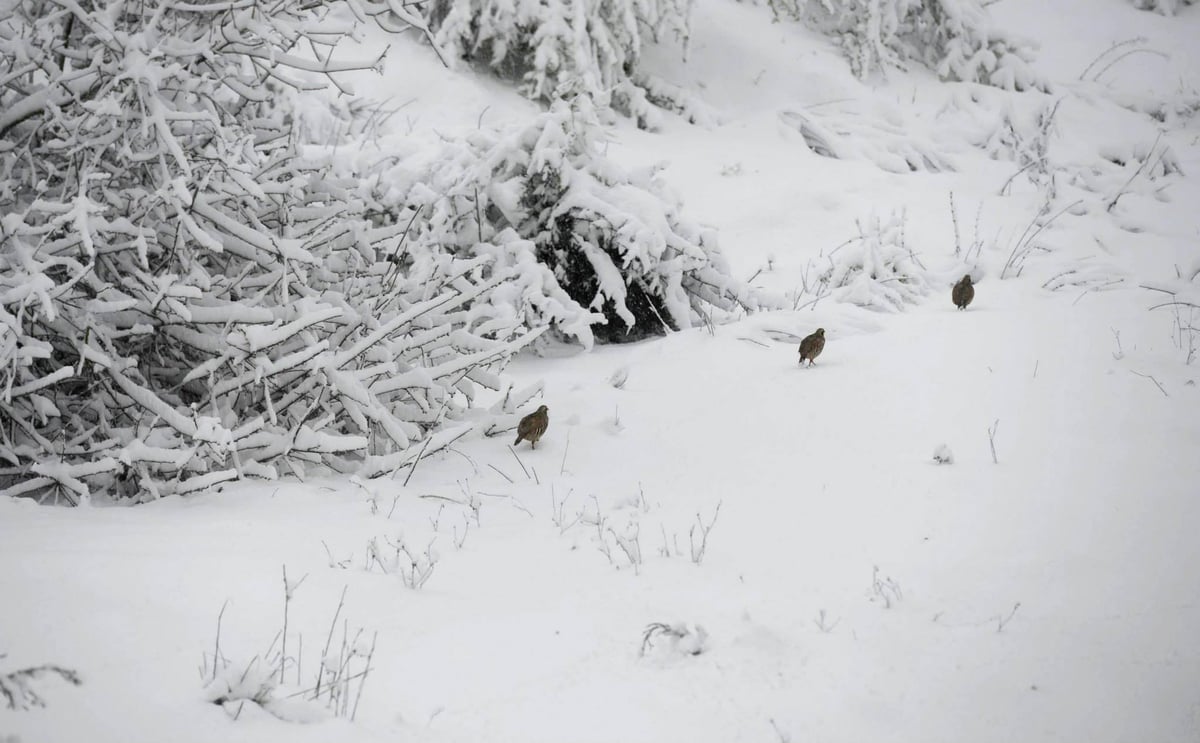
pixel 186 295
pixel 590 249
pixel 952 37
pixel 877 269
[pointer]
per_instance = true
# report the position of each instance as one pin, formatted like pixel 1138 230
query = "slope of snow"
pixel 851 589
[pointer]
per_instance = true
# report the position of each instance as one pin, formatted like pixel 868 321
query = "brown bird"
pixel 533 426
pixel 811 346
pixel 963 292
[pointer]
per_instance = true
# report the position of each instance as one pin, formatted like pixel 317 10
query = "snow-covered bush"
pixel 17 687
pixel 1165 7
pixel 952 37
pixel 188 294
pixel 673 640
pixel 877 269
pixel 555 47
pixel 583 245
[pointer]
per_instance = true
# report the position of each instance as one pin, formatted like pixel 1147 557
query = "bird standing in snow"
pixel 533 426
pixel 963 292
pixel 811 346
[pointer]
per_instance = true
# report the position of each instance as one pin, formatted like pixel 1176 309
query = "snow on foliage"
pixel 552 47
pixel 186 295
pixel 672 641
pixel 18 688
pixel 952 37
pixel 1165 7
pixel 876 269
pixel 584 246
pixel 886 136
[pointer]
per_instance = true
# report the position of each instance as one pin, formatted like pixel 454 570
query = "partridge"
pixel 963 292
pixel 811 346
pixel 533 426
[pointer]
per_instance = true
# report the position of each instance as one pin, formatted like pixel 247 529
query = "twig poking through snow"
pixel 699 549
pixel 460 541
pixel 563 467
pixel 417 461
pixel 992 439
pixel 823 624
pixel 557 511
pixel 518 458
pixel 464 456
pixel 1002 621
pixel 217 644
pixel 885 588
pixel 328 641
pixel 1122 190
pixel 1104 54
pixel 1152 379
pixel 506 477
pixel 288 590
pixel 954 220
pixel 363 680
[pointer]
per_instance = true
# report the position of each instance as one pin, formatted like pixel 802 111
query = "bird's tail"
pixel 518 440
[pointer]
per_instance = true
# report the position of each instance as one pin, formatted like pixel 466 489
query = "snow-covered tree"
pixel 188 293
pixel 952 37
pixel 590 249
pixel 554 48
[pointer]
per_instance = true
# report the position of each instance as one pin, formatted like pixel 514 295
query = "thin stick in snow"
pixel 287 599
pixel 506 477
pixel 1001 621
pixel 992 440
pixel 563 467
pixel 217 646
pixel 417 461
pixel 1121 191
pixel 464 456
pixel 328 641
pixel 954 220
pixel 518 458
pixel 698 549
pixel 1104 54
pixel 363 681
pixel 1152 379
pixel 783 737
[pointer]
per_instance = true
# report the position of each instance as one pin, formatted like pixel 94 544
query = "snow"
pixel 1044 585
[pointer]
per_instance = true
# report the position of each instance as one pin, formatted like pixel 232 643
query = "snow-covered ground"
pixel 1044 586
